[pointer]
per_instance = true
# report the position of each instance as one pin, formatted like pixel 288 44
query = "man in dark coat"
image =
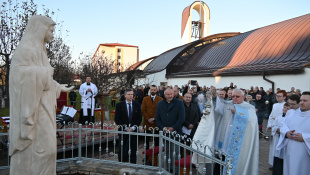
pixel 146 90
pixel 261 108
pixel 170 115
pixel 128 112
pixel 72 97
pixel 193 116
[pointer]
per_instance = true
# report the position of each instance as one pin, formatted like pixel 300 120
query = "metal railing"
pixel 91 142
pixel 4 141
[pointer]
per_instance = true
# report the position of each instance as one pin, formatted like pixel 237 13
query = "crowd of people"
pixel 180 109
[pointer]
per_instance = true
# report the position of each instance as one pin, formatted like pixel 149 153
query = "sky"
pixel 155 25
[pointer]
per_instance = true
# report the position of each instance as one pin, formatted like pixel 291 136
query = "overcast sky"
pixel 155 25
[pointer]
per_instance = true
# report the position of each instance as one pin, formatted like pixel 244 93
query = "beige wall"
pixel 129 55
pixel 108 51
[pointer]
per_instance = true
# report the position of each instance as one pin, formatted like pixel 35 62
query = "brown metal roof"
pixel 160 62
pixel 167 58
pixel 283 46
pixel 209 57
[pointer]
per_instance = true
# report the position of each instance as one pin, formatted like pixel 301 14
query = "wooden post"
pixel 102 97
pixel 102 111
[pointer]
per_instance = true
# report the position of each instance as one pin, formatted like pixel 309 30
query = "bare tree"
pixel 14 18
pixel 60 58
pixel 102 71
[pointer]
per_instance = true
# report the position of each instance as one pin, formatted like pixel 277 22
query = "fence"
pixel 91 142
pixel 4 142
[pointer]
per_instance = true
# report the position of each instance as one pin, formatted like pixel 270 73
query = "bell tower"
pixel 195 29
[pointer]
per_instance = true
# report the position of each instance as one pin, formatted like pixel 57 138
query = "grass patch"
pixel 4 112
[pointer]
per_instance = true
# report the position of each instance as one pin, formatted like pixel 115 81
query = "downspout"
pixel 272 83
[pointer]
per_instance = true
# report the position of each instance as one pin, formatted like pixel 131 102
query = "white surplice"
pixel 277 124
pixel 276 111
pixel 87 98
pixel 296 154
pixel 222 117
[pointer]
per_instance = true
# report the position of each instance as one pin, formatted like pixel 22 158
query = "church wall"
pixel 299 81
pixel 155 78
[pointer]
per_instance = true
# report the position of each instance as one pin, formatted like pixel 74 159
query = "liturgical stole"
pixel 236 136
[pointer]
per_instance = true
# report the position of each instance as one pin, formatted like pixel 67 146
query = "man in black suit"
pixel 192 116
pixel 128 112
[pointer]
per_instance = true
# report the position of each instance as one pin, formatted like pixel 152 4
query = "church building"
pixel 274 56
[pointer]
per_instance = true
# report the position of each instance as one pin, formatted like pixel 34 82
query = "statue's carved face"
pixel 49 34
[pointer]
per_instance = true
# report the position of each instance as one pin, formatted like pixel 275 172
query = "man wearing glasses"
pixel 276 111
pixel 238 136
pixel 293 101
pixel 295 138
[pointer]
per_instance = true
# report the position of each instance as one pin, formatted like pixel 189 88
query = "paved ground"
pixel 264 154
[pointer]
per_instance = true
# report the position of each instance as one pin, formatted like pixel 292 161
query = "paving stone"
pixel 127 171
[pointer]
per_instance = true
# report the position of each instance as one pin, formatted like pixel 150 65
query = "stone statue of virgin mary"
pixel 33 94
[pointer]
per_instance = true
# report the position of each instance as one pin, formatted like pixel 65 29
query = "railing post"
pixel 160 163
pixel 8 145
pixel 80 145
pixel 229 166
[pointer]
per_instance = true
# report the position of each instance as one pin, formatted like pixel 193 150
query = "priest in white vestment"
pixel 295 139
pixel 33 94
pixel 238 134
pixel 276 111
pixel 88 91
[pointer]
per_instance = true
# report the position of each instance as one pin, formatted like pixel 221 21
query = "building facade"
pixel 274 56
pixel 121 55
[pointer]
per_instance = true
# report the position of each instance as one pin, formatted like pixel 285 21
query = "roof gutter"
pixel 272 83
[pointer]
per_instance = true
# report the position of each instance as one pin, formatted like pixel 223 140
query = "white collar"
pixel 304 113
pixel 128 102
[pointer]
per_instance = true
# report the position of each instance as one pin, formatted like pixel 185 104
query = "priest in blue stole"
pixel 237 134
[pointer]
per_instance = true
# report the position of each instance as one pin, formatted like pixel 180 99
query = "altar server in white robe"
pixel 276 111
pixel 88 91
pixel 295 139
pixel 275 132
pixel 238 134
